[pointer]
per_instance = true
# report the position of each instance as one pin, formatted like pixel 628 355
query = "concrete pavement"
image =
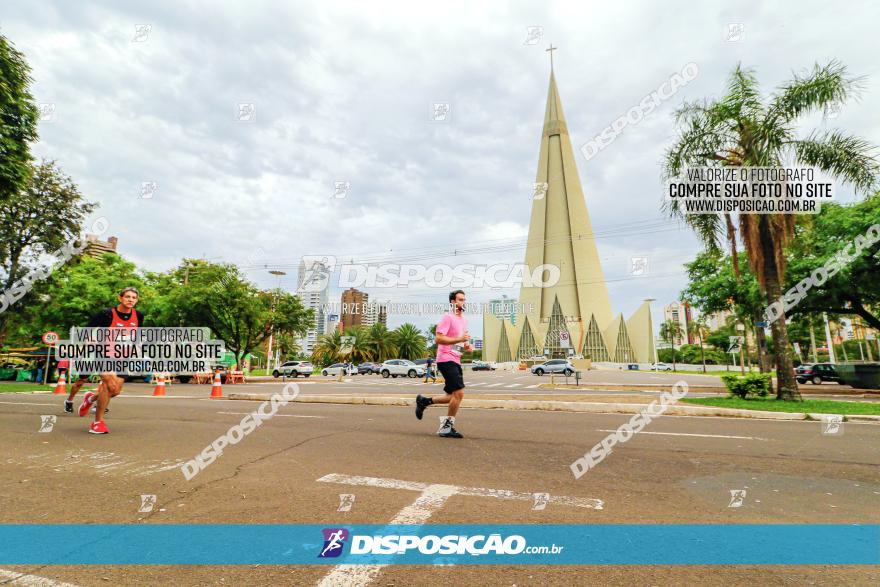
pixel 678 470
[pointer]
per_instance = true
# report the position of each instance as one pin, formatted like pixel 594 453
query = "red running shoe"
pixel 88 400
pixel 98 428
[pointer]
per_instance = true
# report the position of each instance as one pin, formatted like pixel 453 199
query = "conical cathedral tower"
pixel 576 308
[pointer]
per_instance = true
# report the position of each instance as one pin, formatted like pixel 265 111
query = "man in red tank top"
pixel 123 315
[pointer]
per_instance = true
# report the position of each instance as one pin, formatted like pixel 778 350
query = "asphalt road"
pixel 679 470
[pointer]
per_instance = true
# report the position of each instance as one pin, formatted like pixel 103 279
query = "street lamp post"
pixel 277 274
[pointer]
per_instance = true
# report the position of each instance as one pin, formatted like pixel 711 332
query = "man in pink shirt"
pixel 452 338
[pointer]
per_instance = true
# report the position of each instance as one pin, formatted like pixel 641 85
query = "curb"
pixel 555 406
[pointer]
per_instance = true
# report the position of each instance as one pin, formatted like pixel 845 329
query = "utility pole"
pixel 828 338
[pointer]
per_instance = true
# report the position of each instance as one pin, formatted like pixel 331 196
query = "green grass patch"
pixel 818 406
pixel 13 387
pixel 24 386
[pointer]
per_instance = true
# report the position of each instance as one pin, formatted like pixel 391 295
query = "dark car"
pixel 817 373
pixel 368 369
pixel 483 366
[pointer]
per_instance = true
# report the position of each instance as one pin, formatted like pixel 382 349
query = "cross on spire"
pixel 551 50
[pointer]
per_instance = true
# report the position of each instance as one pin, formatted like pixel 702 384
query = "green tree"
pixel 409 342
pixel 855 289
pixel 669 331
pixel 741 129
pixel 381 343
pixel 237 312
pixel 35 223
pixel 74 293
pixel 361 350
pixel 326 349
pixel 18 121
pixel 699 329
pixel 714 286
pixel 288 346
pixel 432 330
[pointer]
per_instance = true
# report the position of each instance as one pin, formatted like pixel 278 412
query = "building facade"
pixel 315 298
pixel 573 316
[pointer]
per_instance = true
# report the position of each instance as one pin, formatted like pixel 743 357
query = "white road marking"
pixel 515 385
pixel 477 384
pixel 276 415
pixel 533 386
pixel 495 384
pixel 432 498
pixel 700 435
pixel 100 462
pixel 14 578
pixel 418 512
pixel 469 491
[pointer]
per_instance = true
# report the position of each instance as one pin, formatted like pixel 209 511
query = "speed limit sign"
pixel 51 338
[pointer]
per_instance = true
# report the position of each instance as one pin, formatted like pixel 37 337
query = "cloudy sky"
pixel 150 92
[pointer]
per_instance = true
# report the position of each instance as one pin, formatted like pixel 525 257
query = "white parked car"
pixel 401 368
pixel 294 369
pixel 337 368
pixel 661 367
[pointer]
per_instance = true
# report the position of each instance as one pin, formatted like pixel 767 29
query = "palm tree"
pixel 700 329
pixel 361 350
pixel 670 330
pixel 741 129
pixel 326 350
pixel 409 342
pixel 381 343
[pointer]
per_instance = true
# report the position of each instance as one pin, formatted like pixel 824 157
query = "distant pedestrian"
pixel 429 371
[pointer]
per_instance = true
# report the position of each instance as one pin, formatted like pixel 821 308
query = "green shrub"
pixel 751 384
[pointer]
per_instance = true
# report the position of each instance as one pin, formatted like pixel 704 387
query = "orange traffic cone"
pixel 62 385
pixel 216 389
pixel 160 387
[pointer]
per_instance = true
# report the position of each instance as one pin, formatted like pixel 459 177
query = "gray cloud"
pixel 343 92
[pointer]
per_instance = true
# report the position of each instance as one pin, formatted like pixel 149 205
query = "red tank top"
pixel 118 322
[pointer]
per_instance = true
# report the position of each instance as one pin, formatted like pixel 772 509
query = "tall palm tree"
pixel 742 129
pixel 381 343
pixel 700 329
pixel 670 330
pixel 409 342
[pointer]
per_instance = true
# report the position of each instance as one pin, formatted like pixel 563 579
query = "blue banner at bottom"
pixel 466 544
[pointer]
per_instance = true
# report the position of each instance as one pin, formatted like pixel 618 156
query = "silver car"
pixel 554 366
pixel 401 368
pixel 294 369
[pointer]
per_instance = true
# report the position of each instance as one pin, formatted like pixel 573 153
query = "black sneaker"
pixel 68 406
pixel 450 432
pixel 422 402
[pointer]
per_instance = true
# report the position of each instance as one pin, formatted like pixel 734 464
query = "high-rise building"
pixel 680 314
pixel 374 313
pixel 573 316
pixel 313 293
pixel 354 306
pixel 96 247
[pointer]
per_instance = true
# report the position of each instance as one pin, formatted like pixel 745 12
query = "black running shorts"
pixel 451 371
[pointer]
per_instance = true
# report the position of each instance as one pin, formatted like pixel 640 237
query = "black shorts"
pixel 452 375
